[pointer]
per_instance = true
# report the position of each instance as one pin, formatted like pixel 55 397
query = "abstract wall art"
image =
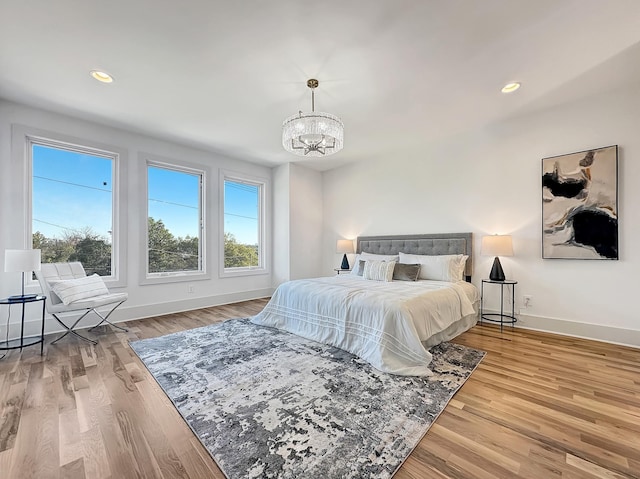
pixel 580 205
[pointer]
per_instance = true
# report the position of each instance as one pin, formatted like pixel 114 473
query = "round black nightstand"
pixel 500 317
pixel 22 341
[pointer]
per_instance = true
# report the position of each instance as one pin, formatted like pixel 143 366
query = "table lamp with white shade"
pixel 497 245
pixel 344 246
pixel 22 260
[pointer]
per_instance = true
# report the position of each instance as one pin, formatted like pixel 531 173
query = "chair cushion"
pixel 71 290
pixel 96 302
pixel 101 300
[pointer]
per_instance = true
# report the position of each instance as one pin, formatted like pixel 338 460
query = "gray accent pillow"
pixel 359 268
pixel 406 272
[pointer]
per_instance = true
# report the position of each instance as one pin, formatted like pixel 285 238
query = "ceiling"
pixel 222 75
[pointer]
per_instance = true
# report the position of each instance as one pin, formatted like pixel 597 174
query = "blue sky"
pixel 72 191
pixel 241 211
pixel 173 198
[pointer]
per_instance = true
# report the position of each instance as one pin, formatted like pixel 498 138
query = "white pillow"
pixel 378 257
pixel 379 270
pixel 70 290
pixel 444 267
pixel 371 257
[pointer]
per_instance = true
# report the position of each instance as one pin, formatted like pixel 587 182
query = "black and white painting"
pixel 580 205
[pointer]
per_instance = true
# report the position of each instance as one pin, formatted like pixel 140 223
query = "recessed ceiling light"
pixel 510 87
pixel 102 76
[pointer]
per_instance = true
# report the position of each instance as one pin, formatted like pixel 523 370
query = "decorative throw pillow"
pixel 406 272
pixel 444 267
pixel 371 257
pixel 379 270
pixel 71 290
pixel 354 270
pixel 358 267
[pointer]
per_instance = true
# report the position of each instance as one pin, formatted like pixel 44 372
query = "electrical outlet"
pixel 190 289
pixel 527 300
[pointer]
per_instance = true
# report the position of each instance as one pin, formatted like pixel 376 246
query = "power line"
pixel 108 191
pixel 70 183
pixel 238 186
pixel 172 203
pixel 174 253
pixel 53 224
pixel 241 216
pixel 58 226
pixel 230 184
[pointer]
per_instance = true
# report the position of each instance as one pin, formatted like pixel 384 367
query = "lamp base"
pixel 345 262
pixel 497 274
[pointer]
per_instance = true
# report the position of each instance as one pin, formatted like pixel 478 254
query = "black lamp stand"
pixel 22 296
pixel 345 262
pixel 497 274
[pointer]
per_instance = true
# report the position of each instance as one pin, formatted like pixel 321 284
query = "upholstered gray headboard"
pixel 432 244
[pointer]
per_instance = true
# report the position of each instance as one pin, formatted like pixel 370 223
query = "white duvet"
pixel 383 323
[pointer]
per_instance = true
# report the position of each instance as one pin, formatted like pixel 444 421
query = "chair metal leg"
pixel 70 329
pixel 80 336
pixel 105 319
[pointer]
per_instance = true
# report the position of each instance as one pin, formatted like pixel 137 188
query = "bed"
pixel 392 324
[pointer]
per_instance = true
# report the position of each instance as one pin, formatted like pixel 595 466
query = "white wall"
pixel 281 224
pixel 306 212
pixel 489 181
pixel 298 219
pixel 144 300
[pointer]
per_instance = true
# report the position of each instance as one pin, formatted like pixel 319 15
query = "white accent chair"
pixel 63 271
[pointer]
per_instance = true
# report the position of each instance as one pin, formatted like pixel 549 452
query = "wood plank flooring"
pixel 539 406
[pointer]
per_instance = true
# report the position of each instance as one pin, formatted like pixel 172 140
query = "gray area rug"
pixel 269 404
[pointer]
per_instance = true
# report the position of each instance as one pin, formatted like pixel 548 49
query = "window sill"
pixel 233 272
pixel 162 278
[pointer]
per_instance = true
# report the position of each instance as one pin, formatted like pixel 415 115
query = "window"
pixel 175 226
pixel 243 230
pixel 73 215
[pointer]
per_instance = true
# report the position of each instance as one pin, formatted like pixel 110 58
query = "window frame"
pixel 23 140
pixel 263 259
pixel 149 160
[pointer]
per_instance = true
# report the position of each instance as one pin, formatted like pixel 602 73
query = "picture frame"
pixel 580 205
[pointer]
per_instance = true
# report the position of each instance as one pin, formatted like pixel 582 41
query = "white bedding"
pixel 383 323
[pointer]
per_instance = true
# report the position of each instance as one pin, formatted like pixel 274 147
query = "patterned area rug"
pixel 269 404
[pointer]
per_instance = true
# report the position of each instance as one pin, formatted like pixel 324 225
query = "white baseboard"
pixel 158 309
pixel 32 325
pixel 565 327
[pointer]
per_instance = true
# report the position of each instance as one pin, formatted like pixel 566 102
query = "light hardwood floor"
pixel 539 406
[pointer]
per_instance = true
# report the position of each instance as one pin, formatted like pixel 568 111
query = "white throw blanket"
pixel 381 322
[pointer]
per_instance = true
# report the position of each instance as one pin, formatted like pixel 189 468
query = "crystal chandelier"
pixel 312 134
